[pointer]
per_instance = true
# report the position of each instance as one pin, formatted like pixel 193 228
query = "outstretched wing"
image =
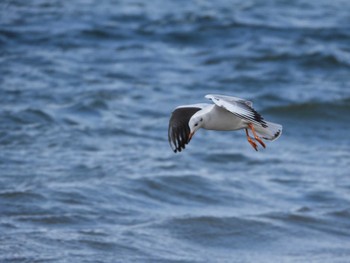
pixel 230 99
pixel 179 130
pixel 239 107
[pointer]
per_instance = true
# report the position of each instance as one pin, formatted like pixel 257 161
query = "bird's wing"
pixel 230 99
pixel 239 107
pixel 179 130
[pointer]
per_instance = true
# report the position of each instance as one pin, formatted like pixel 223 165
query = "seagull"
pixel 227 113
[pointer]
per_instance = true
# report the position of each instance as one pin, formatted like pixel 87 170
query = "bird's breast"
pixel 223 120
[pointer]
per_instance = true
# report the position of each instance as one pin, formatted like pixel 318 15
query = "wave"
pixel 228 232
pixel 27 116
pixel 307 219
pixel 185 189
pixel 336 110
pixel 73 112
pixel 6 35
pixel 21 195
pixel 304 58
pixel 225 158
pixel 307 58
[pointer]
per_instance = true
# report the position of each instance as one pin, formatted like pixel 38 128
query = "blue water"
pixel 86 92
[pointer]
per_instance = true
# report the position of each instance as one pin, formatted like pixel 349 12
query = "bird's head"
pixel 195 123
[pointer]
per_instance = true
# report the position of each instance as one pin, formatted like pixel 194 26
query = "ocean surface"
pixel 86 91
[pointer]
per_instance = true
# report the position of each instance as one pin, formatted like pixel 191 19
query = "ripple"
pixel 313 110
pixel 6 35
pixel 28 116
pixel 228 232
pixel 225 157
pixel 20 195
pixel 304 221
pixel 50 219
pixel 341 213
pixel 178 190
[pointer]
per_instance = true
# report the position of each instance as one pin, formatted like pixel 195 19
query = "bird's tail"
pixel 272 132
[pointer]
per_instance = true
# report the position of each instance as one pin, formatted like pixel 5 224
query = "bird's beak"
pixel 190 136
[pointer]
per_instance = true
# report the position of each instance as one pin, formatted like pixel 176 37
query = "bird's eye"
pixel 196 124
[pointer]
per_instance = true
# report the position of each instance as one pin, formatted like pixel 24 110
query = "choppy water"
pixel 86 172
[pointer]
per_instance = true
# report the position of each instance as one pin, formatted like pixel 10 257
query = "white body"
pixel 230 114
pixel 219 119
pixel 226 114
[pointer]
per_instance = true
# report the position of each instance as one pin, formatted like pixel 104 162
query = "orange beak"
pixel 190 136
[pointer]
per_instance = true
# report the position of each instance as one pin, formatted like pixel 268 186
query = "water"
pixel 86 91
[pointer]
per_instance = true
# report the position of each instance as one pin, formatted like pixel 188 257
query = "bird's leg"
pixel 252 143
pixel 256 136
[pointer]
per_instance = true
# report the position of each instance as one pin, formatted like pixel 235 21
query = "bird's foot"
pixel 256 137
pixel 250 140
pixel 252 143
pixel 260 141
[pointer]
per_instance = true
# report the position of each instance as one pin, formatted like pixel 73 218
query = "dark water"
pixel 86 172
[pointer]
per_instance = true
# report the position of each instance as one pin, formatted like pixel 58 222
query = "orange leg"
pixel 252 143
pixel 256 136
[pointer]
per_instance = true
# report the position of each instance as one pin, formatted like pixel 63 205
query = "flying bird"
pixel 225 114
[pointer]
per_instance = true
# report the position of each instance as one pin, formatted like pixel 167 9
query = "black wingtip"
pixel 178 130
pixel 277 133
